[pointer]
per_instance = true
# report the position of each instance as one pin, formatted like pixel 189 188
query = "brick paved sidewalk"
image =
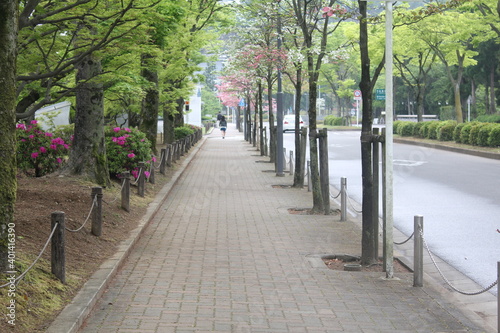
pixel 223 254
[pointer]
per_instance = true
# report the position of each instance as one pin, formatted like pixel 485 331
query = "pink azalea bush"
pixel 125 148
pixel 39 151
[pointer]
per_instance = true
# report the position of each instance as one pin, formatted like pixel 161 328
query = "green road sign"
pixel 380 94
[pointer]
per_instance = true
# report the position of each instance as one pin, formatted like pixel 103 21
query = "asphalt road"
pixel 457 195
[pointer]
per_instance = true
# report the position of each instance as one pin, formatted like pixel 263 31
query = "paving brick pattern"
pixel 224 255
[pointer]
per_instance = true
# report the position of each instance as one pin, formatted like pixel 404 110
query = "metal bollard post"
pixel 126 191
pixel 309 185
pixel 343 199
pixel 142 180
pixel 58 257
pixel 97 211
pixel 291 162
pixel 418 269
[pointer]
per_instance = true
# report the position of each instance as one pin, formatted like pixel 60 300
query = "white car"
pixel 289 122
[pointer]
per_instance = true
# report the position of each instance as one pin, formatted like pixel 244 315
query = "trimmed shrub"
pixel 457 132
pixel 395 126
pixel 406 128
pixel 445 130
pixel 494 138
pixel 182 131
pixel 489 118
pixel 484 134
pixel 417 128
pixel 465 133
pixel 474 133
pixel 432 130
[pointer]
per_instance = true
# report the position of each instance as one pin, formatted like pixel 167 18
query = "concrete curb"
pixel 74 314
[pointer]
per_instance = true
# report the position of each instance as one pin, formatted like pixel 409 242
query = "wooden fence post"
pixel 97 211
pixel 126 191
pixel 142 180
pixel 163 160
pixel 58 257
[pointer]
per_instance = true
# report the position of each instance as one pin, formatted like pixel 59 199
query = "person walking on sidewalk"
pixel 223 126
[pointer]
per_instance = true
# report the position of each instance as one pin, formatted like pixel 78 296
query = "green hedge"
pixel 406 128
pixel 446 130
pixel 465 133
pixel 457 132
pixel 494 138
pixel 473 133
pixel 332 121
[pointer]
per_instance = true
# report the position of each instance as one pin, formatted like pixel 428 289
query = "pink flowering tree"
pixel 39 152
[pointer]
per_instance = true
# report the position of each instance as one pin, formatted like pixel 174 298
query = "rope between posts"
pixel 403 242
pixel 116 196
pixel 349 199
pixel 138 176
pixel 161 159
pixel 448 282
pixel 91 209
pixel 335 197
pixel 20 277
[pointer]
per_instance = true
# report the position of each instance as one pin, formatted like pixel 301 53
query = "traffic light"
pixel 186 105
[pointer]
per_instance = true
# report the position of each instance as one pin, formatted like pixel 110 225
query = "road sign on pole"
pixel 357 95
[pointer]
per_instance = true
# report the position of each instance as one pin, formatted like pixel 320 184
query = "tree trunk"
pixel 493 103
pixel 366 87
pixel 298 176
pixel 313 142
pixel 8 183
pixel 261 119
pixel 88 152
pixel 150 103
pixel 272 132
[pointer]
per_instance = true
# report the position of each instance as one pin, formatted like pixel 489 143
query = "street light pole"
pixel 279 111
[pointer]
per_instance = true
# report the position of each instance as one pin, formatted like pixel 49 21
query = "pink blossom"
pixel 34 155
pixel 153 159
pixel 21 126
pixel 43 149
pixel 131 155
pixel 117 129
pixel 32 136
pixel 53 147
pixel 57 141
pixel 59 160
pixel 65 146
pixel 33 122
pixel 135 173
pixel 147 174
pixel 128 129
pixel 49 134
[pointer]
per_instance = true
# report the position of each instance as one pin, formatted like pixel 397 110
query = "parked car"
pixel 289 122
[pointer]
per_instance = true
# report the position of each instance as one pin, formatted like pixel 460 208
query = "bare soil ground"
pixel 39 296
pixel 338 265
